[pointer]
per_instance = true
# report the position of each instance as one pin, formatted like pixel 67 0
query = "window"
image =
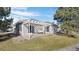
pixel 31 29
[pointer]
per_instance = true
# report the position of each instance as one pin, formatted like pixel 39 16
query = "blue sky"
pixel 44 14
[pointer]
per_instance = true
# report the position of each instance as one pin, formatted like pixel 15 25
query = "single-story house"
pixel 29 27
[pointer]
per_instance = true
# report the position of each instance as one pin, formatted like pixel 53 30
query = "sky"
pixel 44 14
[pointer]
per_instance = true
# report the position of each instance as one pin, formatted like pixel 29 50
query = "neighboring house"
pixel 28 28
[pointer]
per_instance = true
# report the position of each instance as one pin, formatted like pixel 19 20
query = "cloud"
pixel 22 11
pixel 19 8
pixel 19 13
pixel 17 18
pixel 48 16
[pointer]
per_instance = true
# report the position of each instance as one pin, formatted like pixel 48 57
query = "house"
pixel 30 27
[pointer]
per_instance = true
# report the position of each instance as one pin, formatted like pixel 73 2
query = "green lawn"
pixel 45 43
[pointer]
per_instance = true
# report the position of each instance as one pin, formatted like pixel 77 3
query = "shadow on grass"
pixel 6 37
pixel 69 35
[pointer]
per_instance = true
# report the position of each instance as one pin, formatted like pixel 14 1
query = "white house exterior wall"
pixel 38 28
pixel 24 32
pixel 51 30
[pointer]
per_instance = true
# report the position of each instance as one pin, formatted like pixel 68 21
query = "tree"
pixel 4 12
pixel 5 23
pixel 68 18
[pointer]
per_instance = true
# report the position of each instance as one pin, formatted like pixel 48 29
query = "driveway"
pixel 70 48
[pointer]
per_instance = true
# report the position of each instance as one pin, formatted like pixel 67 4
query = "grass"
pixel 45 43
